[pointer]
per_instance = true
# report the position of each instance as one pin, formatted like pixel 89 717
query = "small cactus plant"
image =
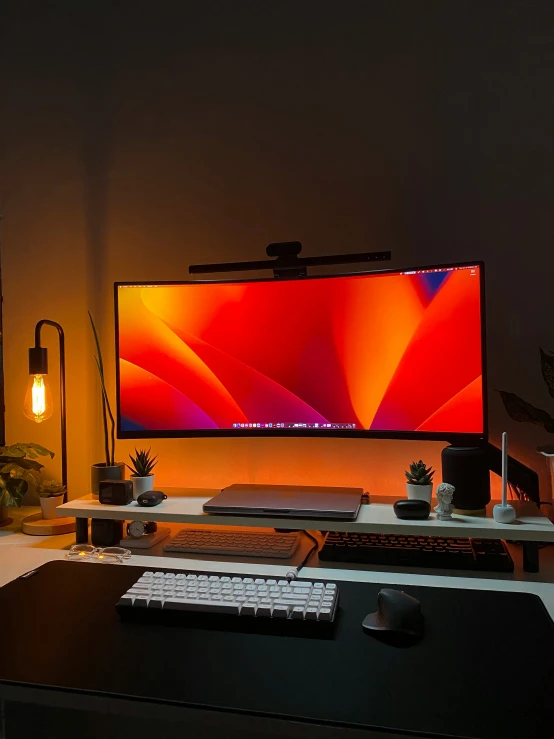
pixel 420 474
pixel 143 463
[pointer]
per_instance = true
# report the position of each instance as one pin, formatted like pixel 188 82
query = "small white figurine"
pixel 444 496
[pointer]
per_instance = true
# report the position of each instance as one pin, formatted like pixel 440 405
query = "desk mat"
pixel 485 667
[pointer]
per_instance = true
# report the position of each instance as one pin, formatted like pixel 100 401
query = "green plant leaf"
pixel 547 367
pixel 522 411
pixel 13 451
pixel 28 464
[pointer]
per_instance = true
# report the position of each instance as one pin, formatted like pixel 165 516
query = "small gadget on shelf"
pixel 136 529
pixel 416 510
pixel 151 498
pixel 115 492
pixel 105 532
pixel 504 512
pixel 272 545
pixel 398 619
pixel 288 501
pixel 404 550
pixel 188 593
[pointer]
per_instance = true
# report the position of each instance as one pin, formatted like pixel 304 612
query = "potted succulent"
pixel 110 469
pixel 18 468
pixel 420 481
pixel 141 471
pixel 51 496
pixel 520 410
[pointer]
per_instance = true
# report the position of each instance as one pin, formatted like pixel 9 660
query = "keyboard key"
pixel 249 609
pixel 298 612
pixel 206 606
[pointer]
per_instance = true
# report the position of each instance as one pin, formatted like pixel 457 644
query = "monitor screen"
pixel 385 354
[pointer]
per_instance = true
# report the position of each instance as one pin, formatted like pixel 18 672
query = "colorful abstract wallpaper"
pixel 385 352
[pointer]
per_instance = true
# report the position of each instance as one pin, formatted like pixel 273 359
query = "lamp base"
pixel 36 525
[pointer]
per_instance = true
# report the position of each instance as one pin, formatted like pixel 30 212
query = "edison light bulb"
pixel 38 399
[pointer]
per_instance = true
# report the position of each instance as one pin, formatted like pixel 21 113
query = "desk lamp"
pixel 504 512
pixel 38 407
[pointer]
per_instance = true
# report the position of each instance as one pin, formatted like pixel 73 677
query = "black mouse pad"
pixel 485 667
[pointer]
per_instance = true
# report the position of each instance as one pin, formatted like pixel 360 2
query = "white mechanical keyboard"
pixel 239 543
pixel 237 596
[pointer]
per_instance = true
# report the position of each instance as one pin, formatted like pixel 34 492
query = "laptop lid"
pixel 294 501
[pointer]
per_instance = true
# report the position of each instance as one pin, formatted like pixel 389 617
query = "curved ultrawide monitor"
pixel 382 354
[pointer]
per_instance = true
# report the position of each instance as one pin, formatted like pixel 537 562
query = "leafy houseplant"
pixel 141 468
pixel 51 496
pixel 520 410
pixel 420 481
pixel 108 470
pixel 18 468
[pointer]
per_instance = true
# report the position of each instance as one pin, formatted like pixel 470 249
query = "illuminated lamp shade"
pixel 38 399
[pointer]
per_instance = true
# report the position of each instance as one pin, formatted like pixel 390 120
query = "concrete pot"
pixel 49 505
pixel 142 484
pixel 4 518
pixel 419 492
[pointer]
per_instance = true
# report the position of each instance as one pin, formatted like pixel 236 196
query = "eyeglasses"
pixel 89 553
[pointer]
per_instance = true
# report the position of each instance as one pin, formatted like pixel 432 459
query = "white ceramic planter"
pixel 142 485
pixel 49 505
pixel 419 492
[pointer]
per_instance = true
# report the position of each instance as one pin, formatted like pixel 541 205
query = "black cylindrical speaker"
pixel 467 468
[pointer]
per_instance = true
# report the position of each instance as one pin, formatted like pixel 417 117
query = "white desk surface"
pixel 184 505
pixel 16 560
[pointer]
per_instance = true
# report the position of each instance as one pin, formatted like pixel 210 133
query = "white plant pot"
pixel 142 485
pixel 49 505
pixel 419 492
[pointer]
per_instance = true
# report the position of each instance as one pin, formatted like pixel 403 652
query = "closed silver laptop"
pixel 287 501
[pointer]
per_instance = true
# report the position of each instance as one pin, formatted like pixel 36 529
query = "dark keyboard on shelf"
pixel 480 555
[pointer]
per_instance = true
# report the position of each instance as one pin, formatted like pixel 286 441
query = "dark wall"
pixel 137 137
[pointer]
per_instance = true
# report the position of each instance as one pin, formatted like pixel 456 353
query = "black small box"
pixel 115 492
pixel 104 532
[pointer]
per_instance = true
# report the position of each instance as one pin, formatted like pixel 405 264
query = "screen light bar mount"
pixel 287 263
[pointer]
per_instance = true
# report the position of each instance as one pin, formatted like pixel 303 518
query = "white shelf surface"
pixel 184 505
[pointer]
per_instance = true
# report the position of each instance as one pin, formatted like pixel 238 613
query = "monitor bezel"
pixel 456 438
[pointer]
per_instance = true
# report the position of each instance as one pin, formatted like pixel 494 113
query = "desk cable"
pixel 295 571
